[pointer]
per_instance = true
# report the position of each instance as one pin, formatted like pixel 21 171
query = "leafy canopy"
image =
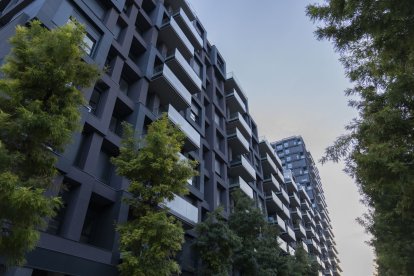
pixel 151 239
pixel 39 110
pixel 375 41
pixel 216 244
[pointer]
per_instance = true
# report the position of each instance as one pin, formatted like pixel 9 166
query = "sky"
pixel 295 86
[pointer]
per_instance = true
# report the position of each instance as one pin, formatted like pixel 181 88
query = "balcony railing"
pixel 172 33
pixel 242 146
pixel 235 102
pixel 185 127
pixel 169 87
pixel 279 221
pixel 183 209
pixel 240 183
pixel 184 71
pixel 246 170
pixel 238 120
pixel 272 183
pixel 188 27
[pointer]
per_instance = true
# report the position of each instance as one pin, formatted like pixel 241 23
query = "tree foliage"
pixel 39 110
pixel 259 253
pixel 375 41
pixel 151 239
pixel 216 244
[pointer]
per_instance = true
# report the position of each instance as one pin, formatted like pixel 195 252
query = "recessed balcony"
pixel 275 219
pixel 236 120
pixel 179 65
pixel 193 137
pixel 284 196
pixel 235 102
pixel 294 200
pixel 300 231
pixel 240 183
pixel 188 28
pixel 289 234
pixel 265 147
pixel 184 210
pixel 290 181
pixel 282 244
pixel 169 88
pixel 237 142
pixel 268 165
pixel 240 166
pixel 275 205
pixel 271 184
pixel 172 34
pixel 304 246
pixel 295 213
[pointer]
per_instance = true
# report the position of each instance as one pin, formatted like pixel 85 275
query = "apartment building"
pixel 157 59
pixel 312 216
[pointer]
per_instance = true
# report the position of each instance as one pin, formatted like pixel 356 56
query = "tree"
pixel 302 264
pixel 259 253
pixel 216 244
pixel 151 239
pixel 374 39
pixel 39 111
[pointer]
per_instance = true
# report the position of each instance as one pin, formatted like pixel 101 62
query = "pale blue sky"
pixel 295 86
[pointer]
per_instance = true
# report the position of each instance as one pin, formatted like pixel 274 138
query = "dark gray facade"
pixel 300 167
pixel 157 59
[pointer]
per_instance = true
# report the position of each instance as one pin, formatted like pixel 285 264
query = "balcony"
pixel 238 142
pixel 240 166
pixel 265 147
pixel 284 196
pixel 193 137
pixel 291 250
pixel 184 210
pixel 268 165
pixel 310 232
pixel 283 245
pixel 290 181
pixel 311 243
pixel 274 204
pixel 236 120
pixel 295 212
pixel 169 88
pixel 184 71
pixel 271 184
pixel 279 221
pixel 304 246
pixel 289 234
pixel 294 200
pixel 171 34
pixel 240 183
pixel 303 194
pixel 235 102
pixel 184 158
pixel 300 231
pixel 188 28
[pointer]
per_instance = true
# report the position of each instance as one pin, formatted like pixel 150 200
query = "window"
pixel 123 85
pixel 195 114
pixel 286 144
pixel 197 67
pixel 289 166
pixel 217 119
pixel 287 151
pixel 89 44
pixel 95 100
pixel 217 167
pixel 279 147
pixel 288 158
